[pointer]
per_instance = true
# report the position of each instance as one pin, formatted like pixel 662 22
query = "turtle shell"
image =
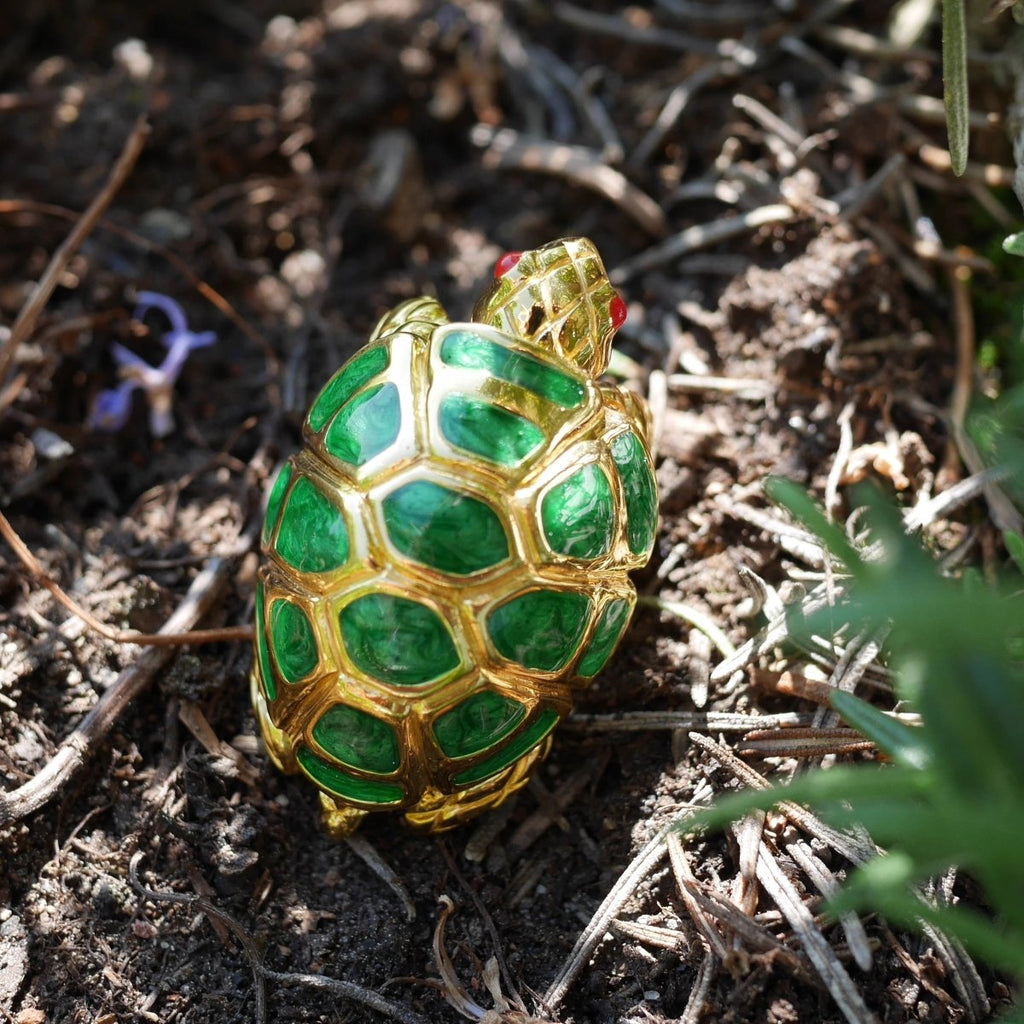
pixel 446 560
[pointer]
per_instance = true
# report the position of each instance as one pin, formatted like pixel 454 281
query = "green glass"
pixel 313 535
pixel 444 529
pixel 640 491
pixel 292 641
pixel 365 425
pixel 397 640
pixel 357 739
pixel 471 351
pixel 477 723
pixel 579 514
pixel 262 651
pixel 606 635
pixel 346 382
pixel 540 629
pixel 488 430
pixel 274 501
pixel 525 741
pixel 339 782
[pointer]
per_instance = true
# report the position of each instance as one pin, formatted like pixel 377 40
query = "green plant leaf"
pixel 937 829
pixel 1015 546
pixel 1014 244
pixel 903 743
pixel 955 791
pixel 875 886
pixel 954 81
pixel 820 788
pixel 974 707
pixel 952 653
pixel 802 507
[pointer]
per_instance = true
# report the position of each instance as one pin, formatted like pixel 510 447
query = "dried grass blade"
pixel 819 952
pixel 640 867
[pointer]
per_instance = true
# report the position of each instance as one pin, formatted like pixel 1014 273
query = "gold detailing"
pixel 366 666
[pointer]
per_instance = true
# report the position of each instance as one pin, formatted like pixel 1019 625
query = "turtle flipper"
pixel 559 298
pixel 417 316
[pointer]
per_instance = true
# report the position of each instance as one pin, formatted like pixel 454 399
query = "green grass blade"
pixel 904 744
pixel 819 788
pixel 954 81
pixel 873 886
pixel 802 507
pixel 1015 545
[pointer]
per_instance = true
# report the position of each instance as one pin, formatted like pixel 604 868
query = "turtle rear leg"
pixel 340 820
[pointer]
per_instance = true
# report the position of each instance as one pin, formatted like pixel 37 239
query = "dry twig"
pixel 712 721
pixel 26 320
pixel 507 148
pixel 639 868
pixel 120 636
pixel 1003 512
pixel 819 952
pixel 544 817
pixel 853 848
pixel 826 883
pixel 260 973
pixel 369 855
pixel 640 35
pixel 214 297
pixel 80 745
pixel 505 1011
pixel 192 717
pixel 700 236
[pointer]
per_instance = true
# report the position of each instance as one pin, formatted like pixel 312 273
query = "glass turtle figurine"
pixel 446 558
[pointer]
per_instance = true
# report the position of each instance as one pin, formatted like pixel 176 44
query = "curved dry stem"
pixel 260 973
pixel 121 636
pixel 22 326
pixel 72 754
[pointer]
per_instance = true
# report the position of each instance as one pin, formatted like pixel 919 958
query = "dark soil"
pixel 314 166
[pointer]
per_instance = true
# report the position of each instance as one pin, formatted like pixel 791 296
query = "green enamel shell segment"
pixel 345 383
pixel 313 535
pixel 488 430
pixel 525 741
pixel 640 491
pixel 349 787
pixel 292 641
pixel 579 514
pixel 262 651
pixel 365 425
pixel 396 640
pixel 357 739
pixel 277 493
pixel 472 351
pixel 444 529
pixel 540 629
pixel 606 635
pixel 477 723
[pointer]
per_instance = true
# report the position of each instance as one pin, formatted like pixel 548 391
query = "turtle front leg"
pixel 417 316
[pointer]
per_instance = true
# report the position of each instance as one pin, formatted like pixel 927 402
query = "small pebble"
pixel 50 445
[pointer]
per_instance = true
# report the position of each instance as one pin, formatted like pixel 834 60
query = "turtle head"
pixel 557 297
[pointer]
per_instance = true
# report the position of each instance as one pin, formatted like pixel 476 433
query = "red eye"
pixel 617 312
pixel 506 263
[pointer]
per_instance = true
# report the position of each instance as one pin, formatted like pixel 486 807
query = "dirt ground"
pixel 766 185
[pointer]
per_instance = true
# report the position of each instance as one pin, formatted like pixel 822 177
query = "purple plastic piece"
pixel 112 407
